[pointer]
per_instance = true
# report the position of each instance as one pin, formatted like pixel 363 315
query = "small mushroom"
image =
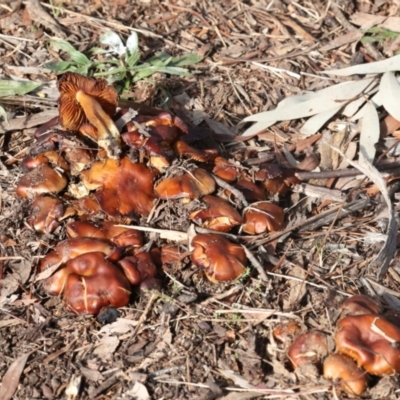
pixel 41 180
pixel 250 190
pixel 46 212
pixel 221 259
pixel 191 185
pixel 344 371
pixel 261 217
pixel 138 268
pixel 372 341
pixel 47 157
pixel 225 170
pixel 120 236
pixel 360 304
pixel 85 99
pixel 286 331
pixel 70 248
pixel 183 149
pixel 123 188
pixel 163 127
pixel 308 348
pixel 219 215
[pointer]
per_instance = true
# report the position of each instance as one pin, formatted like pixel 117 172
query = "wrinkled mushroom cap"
pixel 344 370
pixel 219 215
pixel 124 188
pixel 94 282
pixel 221 259
pixel 46 212
pixel 310 347
pixel 261 217
pixel 41 180
pixel 372 341
pixel 72 115
pixel 191 185
pixel 360 304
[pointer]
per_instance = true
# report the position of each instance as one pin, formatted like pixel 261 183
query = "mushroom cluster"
pixel 102 166
pixel 367 342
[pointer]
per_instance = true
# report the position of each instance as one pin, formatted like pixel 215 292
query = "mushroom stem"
pixel 108 133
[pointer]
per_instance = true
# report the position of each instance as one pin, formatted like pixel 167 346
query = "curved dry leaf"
pixel 258 127
pixel 11 378
pixel 315 123
pixel 390 92
pixel 369 135
pixel 378 67
pixel 322 101
pixel 376 100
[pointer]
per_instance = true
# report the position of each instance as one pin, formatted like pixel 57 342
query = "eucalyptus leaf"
pixel 3 114
pixel 132 44
pixel 377 67
pixel 390 92
pixel 186 60
pixel 17 88
pixel 114 41
pixel 369 134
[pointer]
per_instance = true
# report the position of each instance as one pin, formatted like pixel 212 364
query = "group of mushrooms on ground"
pixel 107 186
pixel 107 168
pixel 367 342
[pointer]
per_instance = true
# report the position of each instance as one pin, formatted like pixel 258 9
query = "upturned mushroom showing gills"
pixel 372 341
pixel 221 259
pixel 85 99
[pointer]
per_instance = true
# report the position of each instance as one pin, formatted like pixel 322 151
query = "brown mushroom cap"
pixel 372 341
pixel 138 268
pixel 183 149
pixel 94 282
pixel 360 304
pixel 219 215
pixel 344 370
pixel 124 188
pixel 163 128
pixel 41 180
pixel 225 170
pixel 261 217
pixel 310 347
pixel 250 190
pixel 70 248
pixel 286 331
pixel 47 157
pixel 46 212
pixel 191 185
pixel 120 236
pixel 85 99
pixel 221 259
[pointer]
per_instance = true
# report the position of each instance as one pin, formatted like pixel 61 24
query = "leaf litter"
pixel 180 339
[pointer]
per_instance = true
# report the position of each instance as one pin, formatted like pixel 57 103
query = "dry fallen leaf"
pixel 138 392
pixel 11 378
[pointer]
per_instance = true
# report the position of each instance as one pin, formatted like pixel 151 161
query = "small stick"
pixel 235 192
pixel 342 173
pixel 256 264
